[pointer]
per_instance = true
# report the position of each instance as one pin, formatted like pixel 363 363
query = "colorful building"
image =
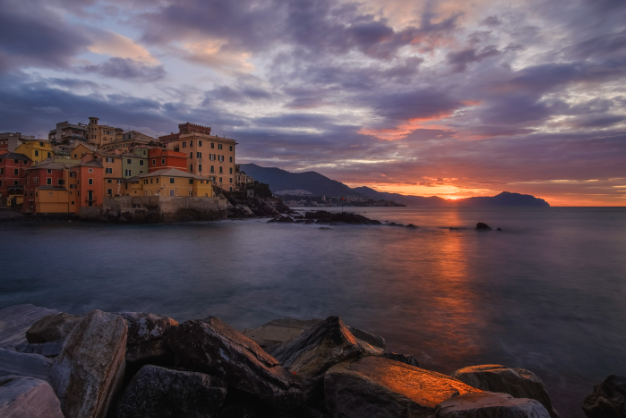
pixel 12 177
pixel 100 135
pixel 82 149
pixel 66 131
pixel 134 164
pixel 113 172
pixel 35 149
pixel 9 141
pixel 169 182
pixel 159 159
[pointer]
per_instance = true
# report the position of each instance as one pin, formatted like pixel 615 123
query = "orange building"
pixel 159 159
pixel 90 184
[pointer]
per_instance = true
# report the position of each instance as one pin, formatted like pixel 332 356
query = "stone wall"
pixel 151 209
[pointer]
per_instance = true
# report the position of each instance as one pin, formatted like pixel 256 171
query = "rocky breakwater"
pixel 144 365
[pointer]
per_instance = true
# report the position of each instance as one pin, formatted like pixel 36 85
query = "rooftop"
pixel 173 172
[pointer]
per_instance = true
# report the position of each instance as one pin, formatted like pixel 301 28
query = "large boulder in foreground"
pixel 379 387
pixel 519 383
pixel 27 397
pixel 13 363
pixel 15 320
pixel 158 392
pixel 316 350
pixel 213 347
pixel 145 336
pixel 52 328
pixel 490 405
pixel 88 373
pixel 278 331
pixel 608 399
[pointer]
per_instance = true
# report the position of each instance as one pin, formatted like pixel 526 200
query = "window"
pixel 212 144
pixel 60 182
pixel 1 170
pixel 16 171
pixel 36 153
pixel 191 168
pixel 91 170
pixel 109 170
pixel 199 167
pixel 157 180
pixel 150 181
pixel 49 181
pixel 184 145
pixel 190 144
pixel 231 170
pixel 212 169
pixel 128 161
pixel 49 171
pixel 230 148
pixel 41 144
pixel 16 182
pixel 172 192
pixel 231 159
pixel 191 155
pixel 109 191
pixel 172 180
pixel 72 174
pixel 72 202
pixel 90 181
pixel 231 180
pixel 153 162
pixel 0 183
pixel 199 143
pixel 16 161
pixel 140 162
pixel 230 189
pixel 128 172
pixel 221 171
pixel 220 179
pixel 199 154
pixel 219 146
pixel 109 181
pixel 36 180
pixel 190 181
pixel 48 155
pixel 162 160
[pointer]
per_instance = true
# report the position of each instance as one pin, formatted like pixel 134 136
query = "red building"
pixel 90 185
pixel 12 174
pixel 46 173
pixel 159 159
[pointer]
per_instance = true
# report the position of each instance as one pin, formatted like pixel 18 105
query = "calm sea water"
pixel 547 294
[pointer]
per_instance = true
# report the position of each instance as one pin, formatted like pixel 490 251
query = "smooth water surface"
pixel 547 293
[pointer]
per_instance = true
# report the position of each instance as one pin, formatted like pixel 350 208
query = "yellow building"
pixel 99 135
pixel 35 149
pixel 52 199
pixel 81 150
pixel 169 182
pixel 113 178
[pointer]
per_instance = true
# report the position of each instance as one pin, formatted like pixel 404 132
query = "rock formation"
pixel 52 328
pixel 490 405
pixel 608 399
pixel 27 397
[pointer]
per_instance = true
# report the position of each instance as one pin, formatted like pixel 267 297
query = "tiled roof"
pixel 51 165
pixel 173 172
pixel 15 156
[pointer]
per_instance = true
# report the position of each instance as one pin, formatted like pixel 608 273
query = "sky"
pixel 432 98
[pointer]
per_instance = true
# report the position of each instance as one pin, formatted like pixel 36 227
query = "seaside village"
pixel 84 167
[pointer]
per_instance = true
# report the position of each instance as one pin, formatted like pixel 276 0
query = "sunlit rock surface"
pixel 145 336
pixel 158 392
pixel 403 358
pixel 27 397
pixel 608 399
pixel 373 345
pixel 519 383
pixel 279 330
pixel 88 373
pixel 379 387
pixel 213 347
pixel 22 364
pixel 52 328
pixel 15 320
pixel 490 405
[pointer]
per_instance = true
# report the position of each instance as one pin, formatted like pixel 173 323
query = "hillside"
pixel 319 185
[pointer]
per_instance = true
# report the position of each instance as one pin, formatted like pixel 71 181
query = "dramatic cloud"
pixel 435 98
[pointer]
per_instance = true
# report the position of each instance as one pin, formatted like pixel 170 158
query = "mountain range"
pixel 319 185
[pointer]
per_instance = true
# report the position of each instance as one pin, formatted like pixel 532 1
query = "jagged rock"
pixel 490 405
pixel 279 330
pixel 483 226
pixel 608 399
pixel 15 320
pixel 411 226
pixel 353 218
pixel 317 349
pixel 27 397
pixel 519 383
pixel 88 373
pixel 403 358
pixel 157 392
pixel 13 363
pixel 145 336
pixel 51 349
pixel 52 328
pixel 373 345
pixel 379 387
pixel 213 347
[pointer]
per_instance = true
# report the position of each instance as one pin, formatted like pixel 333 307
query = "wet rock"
pixel 499 229
pixel 353 219
pixel 373 345
pixel 455 228
pixel 403 358
pixel 51 349
pixel 317 349
pixel 145 336
pixel 324 227
pixel 411 226
pixel 608 399
pixel 490 405
pixel 278 331
pixel 27 397
pixel 483 226
pixel 519 383
pixel 379 387
pixel 88 373
pixel 213 347
pixel 394 224
pixel 157 392
pixel 13 363
pixel 52 328
pixel 15 320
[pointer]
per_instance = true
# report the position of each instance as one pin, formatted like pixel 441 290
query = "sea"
pixel 547 293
